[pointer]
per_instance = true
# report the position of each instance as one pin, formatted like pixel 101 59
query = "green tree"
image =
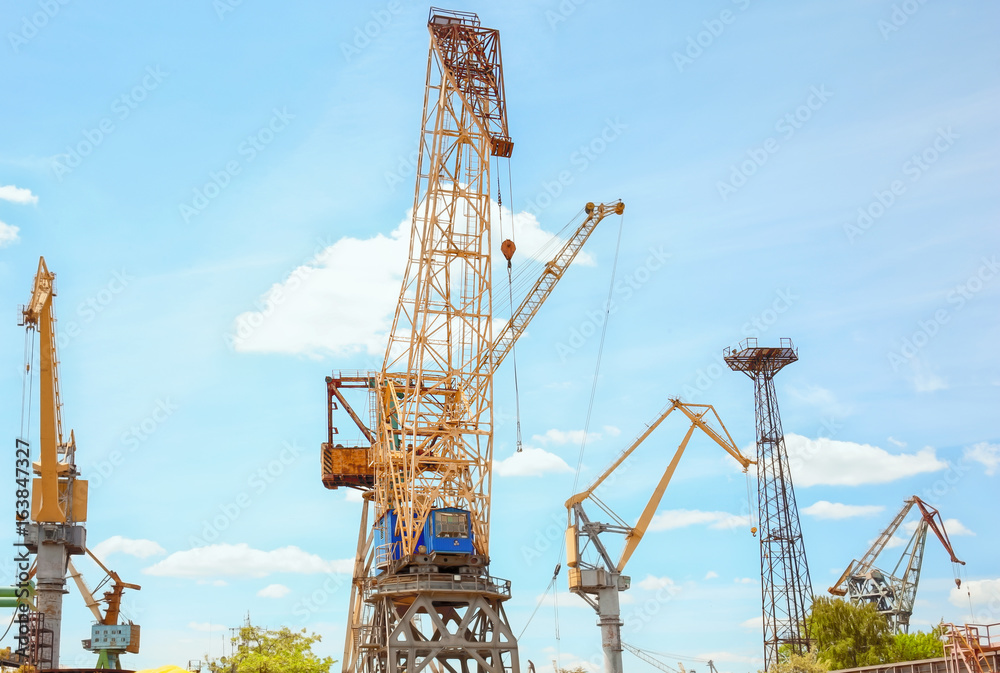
pixel 915 646
pixel 800 663
pixel 848 635
pixel 259 650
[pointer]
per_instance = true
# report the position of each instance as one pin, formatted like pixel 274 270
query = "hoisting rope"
pixel 600 355
pixel 590 408
pixel 541 599
pixel 508 252
pixel 26 382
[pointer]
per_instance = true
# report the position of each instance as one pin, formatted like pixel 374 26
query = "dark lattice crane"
pixel 893 593
pixel 786 590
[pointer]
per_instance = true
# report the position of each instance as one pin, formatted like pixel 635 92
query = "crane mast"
pixel 435 411
pixel 428 599
pixel 421 595
pixel 55 529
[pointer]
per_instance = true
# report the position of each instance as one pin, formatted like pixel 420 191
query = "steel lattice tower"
pixel 786 589
pixel 413 607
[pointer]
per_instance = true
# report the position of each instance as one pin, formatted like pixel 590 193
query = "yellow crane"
pixel 58 497
pixel 599 581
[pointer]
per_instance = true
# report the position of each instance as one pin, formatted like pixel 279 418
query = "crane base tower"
pixel 456 621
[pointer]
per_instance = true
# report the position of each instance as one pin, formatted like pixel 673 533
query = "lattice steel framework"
pixel 435 409
pixel 786 588
pixel 432 434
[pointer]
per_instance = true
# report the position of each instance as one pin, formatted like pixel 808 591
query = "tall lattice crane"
pixel 598 581
pixel 893 593
pixel 58 497
pixel 786 591
pixel 422 594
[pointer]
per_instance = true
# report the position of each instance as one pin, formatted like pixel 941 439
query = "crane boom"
pixel 893 594
pixel 604 578
pixel 85 592
pixel 648 659
pixel 551 274
pixel 860 567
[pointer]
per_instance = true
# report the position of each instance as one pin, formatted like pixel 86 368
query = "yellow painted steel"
pixel 57 497
pixel 696 413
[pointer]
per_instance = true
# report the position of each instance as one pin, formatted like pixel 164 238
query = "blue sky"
pixel 222 189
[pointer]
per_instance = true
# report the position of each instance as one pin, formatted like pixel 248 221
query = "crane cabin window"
pixel 451 524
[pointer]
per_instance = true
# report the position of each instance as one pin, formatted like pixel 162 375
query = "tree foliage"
pixel 259 650
pixel 800 663
pixel 848 635
pixel 915 646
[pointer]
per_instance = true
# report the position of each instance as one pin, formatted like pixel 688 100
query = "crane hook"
pixel 508 248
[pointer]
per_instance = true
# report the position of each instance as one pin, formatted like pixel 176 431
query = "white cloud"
pixel 896 442
pixel 274 591
pixel 894 541
pixel 711 575
pixel 124 545
pixel 670 519
pixel 338 303
pixel 983 592
pixel 987 454
pixel 354 495
pixel 206 626
pixel 836 510
pixel 744 580
pixel 821 398
pixel 612 431
pixel 565 437
pixel 341 302
pixel 754 623
pixel 17 195
pixel 830 462
pixel 653 583
pixel 240 560
pixel 956 527
pixel 923 380
pixel 8 234
pixel 530 462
